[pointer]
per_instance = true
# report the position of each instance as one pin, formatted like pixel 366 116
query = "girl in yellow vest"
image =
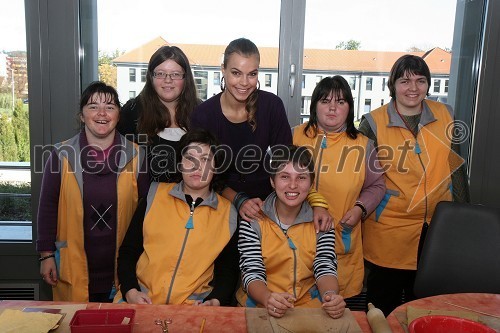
pixel 284 262
pixel 347 173
pixel 168 254
pixel 413 136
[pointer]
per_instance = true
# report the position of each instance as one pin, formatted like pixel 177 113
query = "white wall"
pixel 124 86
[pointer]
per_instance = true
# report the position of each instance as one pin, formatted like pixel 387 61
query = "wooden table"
pixel 480 304
pixel 184 318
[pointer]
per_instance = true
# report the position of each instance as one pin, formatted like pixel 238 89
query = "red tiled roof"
pixel 142 53
pixel 437 59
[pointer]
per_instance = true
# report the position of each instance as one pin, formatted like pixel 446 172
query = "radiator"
pixel 19 291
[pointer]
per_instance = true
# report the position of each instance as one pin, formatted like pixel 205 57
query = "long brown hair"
pixel 155 116
pixel 247 48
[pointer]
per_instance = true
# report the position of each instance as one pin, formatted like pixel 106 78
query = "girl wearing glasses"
pixel 159 115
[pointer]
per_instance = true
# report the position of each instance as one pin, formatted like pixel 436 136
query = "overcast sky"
pixel 386 25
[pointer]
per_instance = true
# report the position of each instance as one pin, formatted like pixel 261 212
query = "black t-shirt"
pixel 161 153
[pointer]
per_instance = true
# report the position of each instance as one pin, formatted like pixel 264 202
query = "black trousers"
pixel 387 288
pixel 100 298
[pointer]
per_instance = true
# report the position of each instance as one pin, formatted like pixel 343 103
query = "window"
pixel 352 82
pixel 303 81
pixel 369 82
pixel 216 78
pixel 131 94
pixel 339 55
pixel 437 84
pixel 132 45
pixel 144 72
pixel 446 86
pixel 318 78
pixel 15 175
pixel 268 80
pixel 368 105
pixel 201 81
pixel 131 74
pixel 304 109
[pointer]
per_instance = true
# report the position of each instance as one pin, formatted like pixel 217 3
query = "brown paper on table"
pixel 69 310
pixel 16 321
pixel 403 321
pixel 414 313
pixel 300 320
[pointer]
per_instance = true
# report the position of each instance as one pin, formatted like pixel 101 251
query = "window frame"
pixel 369 84
pixel 132 74
pixel 60 51
pixel 268 78
pixel 217 77
pixel 436 86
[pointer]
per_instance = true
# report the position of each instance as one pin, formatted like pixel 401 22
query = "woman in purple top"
pixel 90 188
pixel 247 121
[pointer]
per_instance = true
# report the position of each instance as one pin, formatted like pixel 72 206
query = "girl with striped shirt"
pixel 283 261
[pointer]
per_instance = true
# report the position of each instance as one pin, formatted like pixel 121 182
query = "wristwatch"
pixel 363 209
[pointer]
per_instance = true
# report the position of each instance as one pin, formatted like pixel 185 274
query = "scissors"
pixel 163 324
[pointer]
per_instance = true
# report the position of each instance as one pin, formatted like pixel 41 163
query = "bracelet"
pixel 363 209
pixel 315 196
pixel 47 257
pixel 318 204
pixel 329 292
pixel 316 200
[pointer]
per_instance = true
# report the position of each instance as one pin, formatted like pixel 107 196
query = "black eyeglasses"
pixel 172 76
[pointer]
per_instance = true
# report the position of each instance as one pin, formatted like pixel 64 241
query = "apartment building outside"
pixel 13 70
pixel 366 71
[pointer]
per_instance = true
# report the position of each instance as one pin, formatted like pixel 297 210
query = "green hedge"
pixel 14 208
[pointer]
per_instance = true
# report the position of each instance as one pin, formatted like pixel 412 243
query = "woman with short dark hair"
pixel 168 255
pixel 91 186
pixel 414 138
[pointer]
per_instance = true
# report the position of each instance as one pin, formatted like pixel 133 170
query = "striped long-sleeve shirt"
pixel 252 262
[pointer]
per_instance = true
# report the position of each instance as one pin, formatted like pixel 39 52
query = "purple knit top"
pixel 246 164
